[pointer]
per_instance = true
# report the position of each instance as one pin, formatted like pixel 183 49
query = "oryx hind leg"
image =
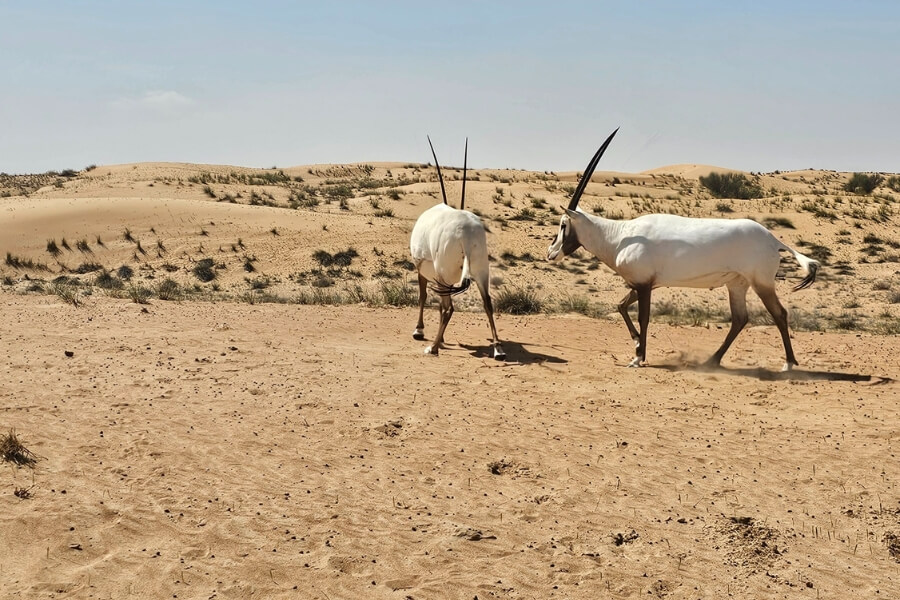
pixel 419 333
pixel 737 299
pixel 780 316
pixel 643 297
pixel 446 309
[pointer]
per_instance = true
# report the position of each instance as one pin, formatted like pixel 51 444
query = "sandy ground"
pixel 229 451
pixel 217 448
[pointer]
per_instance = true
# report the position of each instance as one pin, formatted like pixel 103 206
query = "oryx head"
pixel 566 240
pixel 462 200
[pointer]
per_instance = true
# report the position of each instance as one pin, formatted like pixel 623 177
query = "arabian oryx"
pixel 449 249
pixel 661 250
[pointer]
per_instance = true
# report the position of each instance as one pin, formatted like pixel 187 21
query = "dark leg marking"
pixel 737 299
pixel 643 294
pixel 499 354
pixel 779 315
pixel 629 299
pixel 419 333
pixel 446 312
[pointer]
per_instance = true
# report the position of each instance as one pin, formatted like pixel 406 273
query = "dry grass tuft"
pixel 12 450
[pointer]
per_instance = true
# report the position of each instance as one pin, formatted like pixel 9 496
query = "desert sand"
pixel 275 432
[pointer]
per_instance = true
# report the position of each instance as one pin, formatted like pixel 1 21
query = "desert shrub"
pixel 341 192
pixel 517 301
pixel 88 267
pixel 168 289
pixel 258 283
pixel 65 291
pixel 339 259
pixel 893 182
pixel 731 185
pixel 205 270
pixel 17 262
pixel 575 304
pixel 52 248
pixel 125 272
pixel 863 183
pixel 396 293
pixel 108 281
pixel 320 296
pixel 322 281
pixel 139 294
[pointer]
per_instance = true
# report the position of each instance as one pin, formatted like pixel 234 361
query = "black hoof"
pixel 419 336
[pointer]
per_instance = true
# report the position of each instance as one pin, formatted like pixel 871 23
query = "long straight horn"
pixel 462 201
pixel 589 171
pixel 440 177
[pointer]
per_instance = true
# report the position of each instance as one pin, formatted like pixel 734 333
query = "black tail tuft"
pixel 809 279
pixel 442 289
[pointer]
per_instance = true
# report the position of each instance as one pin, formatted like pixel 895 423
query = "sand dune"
pixel 236 443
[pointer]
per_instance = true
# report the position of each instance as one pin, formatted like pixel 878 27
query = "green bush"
pixel 731 185
pixel 517 301
pixel 863 183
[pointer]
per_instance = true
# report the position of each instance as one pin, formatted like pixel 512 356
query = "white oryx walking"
pixel 449 249
pixel 661 250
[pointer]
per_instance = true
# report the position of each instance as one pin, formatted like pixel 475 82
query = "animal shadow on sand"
pixel 767 375
pixel 516 353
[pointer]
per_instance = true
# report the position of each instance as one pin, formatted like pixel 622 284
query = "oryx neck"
pixel 602 238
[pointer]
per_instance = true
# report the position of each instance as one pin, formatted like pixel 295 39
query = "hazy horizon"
pixel 762 87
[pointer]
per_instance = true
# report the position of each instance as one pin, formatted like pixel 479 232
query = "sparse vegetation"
pixel 168 289
pixel 731 185
pixel 517 301
pixel 139 294
pixel 863 183
pixel 17 262
pixel 204 270
pixel 14 451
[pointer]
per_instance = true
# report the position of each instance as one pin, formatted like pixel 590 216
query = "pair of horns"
pixel 462 201
pixel 573 203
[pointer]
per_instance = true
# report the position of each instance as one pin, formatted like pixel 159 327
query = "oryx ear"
pixel 573 214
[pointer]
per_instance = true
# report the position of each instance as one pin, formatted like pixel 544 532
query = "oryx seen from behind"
pixel 662 250
pixel 449 249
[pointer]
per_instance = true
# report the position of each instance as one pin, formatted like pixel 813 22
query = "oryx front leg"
pixel 629 299
pixel 499 353
pixel 446 312
pixel 643 298
pixel 419 333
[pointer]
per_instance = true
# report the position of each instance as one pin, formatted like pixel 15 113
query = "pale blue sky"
pixel 756 86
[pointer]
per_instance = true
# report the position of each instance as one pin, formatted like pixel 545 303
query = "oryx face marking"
pixel 566 241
